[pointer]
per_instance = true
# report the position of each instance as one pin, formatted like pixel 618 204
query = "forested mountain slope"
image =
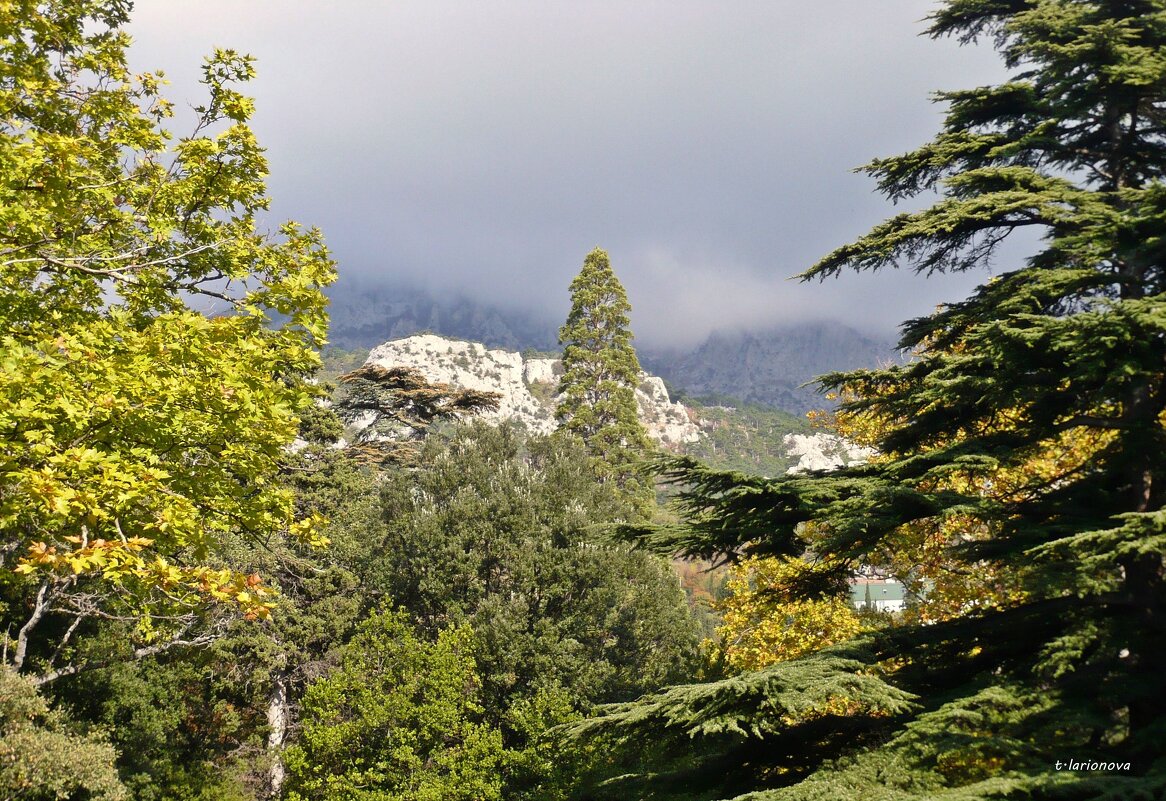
pixel 771 367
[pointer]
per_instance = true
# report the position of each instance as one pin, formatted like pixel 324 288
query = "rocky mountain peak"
pixel 526 387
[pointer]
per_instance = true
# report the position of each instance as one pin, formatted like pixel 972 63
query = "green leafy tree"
pixel 43 755
pixel 499 528
pixel 400 720
pixel 600 375
pixel 212 722
pixel 183 723
pixel 157 344
pixel 1033 414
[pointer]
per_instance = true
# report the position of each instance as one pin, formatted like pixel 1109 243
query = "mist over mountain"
pixel 366 316
pixel 766 367
pixel 770 367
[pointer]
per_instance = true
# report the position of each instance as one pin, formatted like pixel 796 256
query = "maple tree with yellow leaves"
pixel 157 344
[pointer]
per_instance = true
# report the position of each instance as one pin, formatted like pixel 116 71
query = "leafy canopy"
pixel 400 721
pixel 761 624
pixel 502 529
pixel 157 341
pixel 44 756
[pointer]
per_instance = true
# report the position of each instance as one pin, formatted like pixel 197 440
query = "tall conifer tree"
pixel 1033 413
pixel 598 389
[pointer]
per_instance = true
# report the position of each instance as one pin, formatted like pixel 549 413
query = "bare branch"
pixel 80 262
pixel 40 606
pixel 139 653
pixel 65 639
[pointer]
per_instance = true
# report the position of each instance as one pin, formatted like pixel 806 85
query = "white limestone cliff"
pixel 823 451
pixel 668 423
pixel 526 386
pixel 469 365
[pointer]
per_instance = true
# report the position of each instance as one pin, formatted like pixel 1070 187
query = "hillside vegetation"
pixel 235 567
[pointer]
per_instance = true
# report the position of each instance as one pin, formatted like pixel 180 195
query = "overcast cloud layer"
pixel 485 148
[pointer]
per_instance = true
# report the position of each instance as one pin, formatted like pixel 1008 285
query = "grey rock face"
pixel 362 318
pixel 771 368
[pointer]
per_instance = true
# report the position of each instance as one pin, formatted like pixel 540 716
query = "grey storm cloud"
pixel 484 148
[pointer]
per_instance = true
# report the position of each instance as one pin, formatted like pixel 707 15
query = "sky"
pixel 483 149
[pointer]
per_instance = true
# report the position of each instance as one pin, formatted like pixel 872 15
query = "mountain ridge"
pixel 774 367
pixel 747 439
pixel 525 386
pixel 768 366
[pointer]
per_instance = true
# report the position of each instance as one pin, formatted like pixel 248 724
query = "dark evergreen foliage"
pixel 1058 362
pixel 400 720
pixel 600 375
pixel 404 406
pixel 502 530
pixel 44 755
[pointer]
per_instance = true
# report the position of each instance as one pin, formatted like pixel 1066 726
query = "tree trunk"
pixel 40 606
pixel 278 722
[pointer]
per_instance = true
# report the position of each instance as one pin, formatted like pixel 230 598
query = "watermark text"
pixel 1091 765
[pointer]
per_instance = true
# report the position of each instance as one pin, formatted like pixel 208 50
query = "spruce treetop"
pixel 598 322
pixel 600 374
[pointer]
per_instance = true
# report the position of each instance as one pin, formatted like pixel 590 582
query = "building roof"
pixel 880 590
